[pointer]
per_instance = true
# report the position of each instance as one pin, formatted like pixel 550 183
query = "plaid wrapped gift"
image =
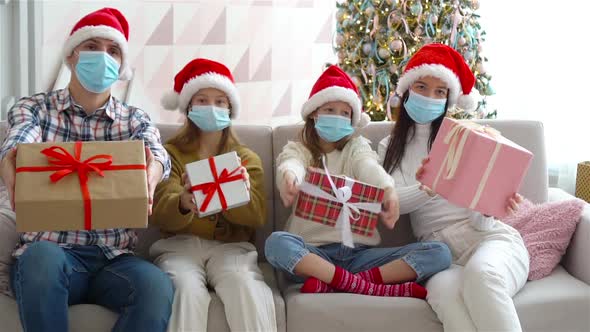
pixel 363 199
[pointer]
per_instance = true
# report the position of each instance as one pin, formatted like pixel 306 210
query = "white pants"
pixel 475 293
pixel 230 268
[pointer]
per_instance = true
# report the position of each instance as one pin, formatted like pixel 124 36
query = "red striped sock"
pixel 313 285
pixel 348 282
pixel 373 275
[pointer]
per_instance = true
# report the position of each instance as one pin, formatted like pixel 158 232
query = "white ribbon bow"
pixel 341 195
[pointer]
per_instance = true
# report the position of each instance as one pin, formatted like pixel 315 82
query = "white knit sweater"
pixel 427 214
pixel 357 160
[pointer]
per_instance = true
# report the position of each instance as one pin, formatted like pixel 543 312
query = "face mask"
pixel 333 128
pixel 209 117
pixel 423 109
pixel 96 71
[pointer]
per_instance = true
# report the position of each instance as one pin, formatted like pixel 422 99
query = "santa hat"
pixel 335 85
pixel 446 64
pixel 107 23
pixel 201 74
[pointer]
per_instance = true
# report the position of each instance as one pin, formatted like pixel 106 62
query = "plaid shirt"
pixel 54 117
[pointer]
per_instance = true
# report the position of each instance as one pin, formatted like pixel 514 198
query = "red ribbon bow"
pixel 64 164
pixel 210 188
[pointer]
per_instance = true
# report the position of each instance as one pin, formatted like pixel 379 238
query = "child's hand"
pixel 390 213
pixel 187 202
pixel 513 203
pixel 245 176
pixel 244 173
pixel 289 189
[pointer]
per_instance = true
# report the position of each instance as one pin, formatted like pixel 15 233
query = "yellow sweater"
pixel 234 225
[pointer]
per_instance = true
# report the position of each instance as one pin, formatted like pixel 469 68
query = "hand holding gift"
pixel 475 167
pixel 154 171
pixel 289 190
pixel 390 212
pixel 187 199
pixel 218 183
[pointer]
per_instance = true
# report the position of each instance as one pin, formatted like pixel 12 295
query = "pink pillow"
pixel 547 230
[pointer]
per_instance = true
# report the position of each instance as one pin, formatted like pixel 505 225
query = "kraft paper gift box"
pixel 475 167
pixel 341 202
pixel 67 186
pixel 217 184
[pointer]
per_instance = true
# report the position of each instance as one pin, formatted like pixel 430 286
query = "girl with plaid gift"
pixel 490 260
pixel 214 251
pixel 312 252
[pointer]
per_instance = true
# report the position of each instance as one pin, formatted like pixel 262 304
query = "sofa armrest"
pixel 576 260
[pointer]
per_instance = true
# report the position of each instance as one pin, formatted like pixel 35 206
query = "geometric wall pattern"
pixel 275 48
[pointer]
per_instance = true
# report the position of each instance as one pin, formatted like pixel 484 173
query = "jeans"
pixel 46 279
pixel 284 250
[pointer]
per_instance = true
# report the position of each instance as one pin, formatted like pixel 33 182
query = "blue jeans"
pixel 284 250
pixel 46 279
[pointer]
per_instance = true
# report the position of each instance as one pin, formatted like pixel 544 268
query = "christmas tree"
pixel 375 39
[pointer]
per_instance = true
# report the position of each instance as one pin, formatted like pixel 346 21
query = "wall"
pixel 276 49
pixel 6 62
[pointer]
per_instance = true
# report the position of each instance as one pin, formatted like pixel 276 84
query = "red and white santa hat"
pixel 446 64
pixel 335 85
pixel 200 74
pixel 107 23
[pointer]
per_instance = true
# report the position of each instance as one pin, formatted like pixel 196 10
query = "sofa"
pixel 559 302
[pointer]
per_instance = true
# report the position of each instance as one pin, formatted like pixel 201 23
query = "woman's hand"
pixel 513 203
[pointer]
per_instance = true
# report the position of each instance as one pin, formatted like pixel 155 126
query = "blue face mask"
pixel 209 117
pixel 97 71
pixel 423 109
pixel 333 128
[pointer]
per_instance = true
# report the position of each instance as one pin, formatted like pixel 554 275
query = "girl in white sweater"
pixel 311 251
pixel 490 260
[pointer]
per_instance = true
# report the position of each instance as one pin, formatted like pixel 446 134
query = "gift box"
pixel 217 184
pixel 475 167
pixel 583 181
pixel 81 186
pixel 340 202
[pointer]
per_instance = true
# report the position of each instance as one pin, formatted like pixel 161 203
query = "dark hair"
pixel 403 131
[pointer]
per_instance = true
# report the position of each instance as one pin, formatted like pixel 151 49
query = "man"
pixel 53 270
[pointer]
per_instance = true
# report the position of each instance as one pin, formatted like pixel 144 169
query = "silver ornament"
pixel 383 52
pixel 396 45
pixel 367 48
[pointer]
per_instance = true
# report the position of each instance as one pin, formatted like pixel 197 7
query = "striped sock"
pixel 313 285
pixel 348 282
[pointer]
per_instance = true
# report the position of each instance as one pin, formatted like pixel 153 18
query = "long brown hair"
pixel 311 140
pixel 187 138
pixel 403 131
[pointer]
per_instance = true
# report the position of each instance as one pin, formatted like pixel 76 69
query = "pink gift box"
pixel 473 166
